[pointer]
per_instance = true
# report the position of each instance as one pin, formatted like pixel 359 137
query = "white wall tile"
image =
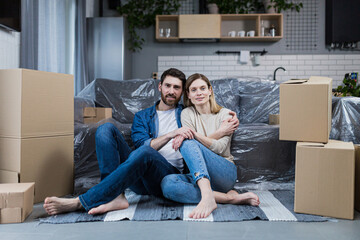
pixel 297 66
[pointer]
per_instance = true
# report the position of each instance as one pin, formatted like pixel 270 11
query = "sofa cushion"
pixel 258 99
pixel 227 93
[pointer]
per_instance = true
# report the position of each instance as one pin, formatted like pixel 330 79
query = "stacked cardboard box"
pixel 325 169
pixel 37 130
pixel 94 115
pixel 16 202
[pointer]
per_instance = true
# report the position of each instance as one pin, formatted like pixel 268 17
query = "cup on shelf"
pixel 250 33
pixel 232 34
pixel 241 33
pixel 167 32
pixel 161 32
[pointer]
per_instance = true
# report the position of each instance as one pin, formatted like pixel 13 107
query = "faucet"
pixel 276 70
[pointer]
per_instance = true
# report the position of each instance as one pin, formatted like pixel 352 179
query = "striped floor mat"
pixel 275 206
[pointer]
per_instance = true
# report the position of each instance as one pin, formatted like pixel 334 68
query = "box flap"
pixel 332 144
pixel 319 80
pixel 297 81
pixel 10 215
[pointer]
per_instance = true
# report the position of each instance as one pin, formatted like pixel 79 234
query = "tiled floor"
pixel 31 229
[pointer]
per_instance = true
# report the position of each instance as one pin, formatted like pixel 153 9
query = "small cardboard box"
pixel 94 115
pixel 324 179
pixel 305 110
pixel 357 177
pixel 35 103
pixel 16 202
pixel 274 119
pixel 47 161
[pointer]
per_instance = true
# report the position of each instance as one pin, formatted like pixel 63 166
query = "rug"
pixel 274 206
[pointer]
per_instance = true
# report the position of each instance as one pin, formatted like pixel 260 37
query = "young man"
pixel 143 169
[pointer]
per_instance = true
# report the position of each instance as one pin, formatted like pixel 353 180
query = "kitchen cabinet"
pixel 218 27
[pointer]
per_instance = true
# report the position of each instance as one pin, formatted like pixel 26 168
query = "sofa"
pixel 258 153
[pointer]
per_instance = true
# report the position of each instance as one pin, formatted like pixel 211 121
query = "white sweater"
pixel 207 124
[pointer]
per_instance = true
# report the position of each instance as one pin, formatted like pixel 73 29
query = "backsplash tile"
pixel 297 66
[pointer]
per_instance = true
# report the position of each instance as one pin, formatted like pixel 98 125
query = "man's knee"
pixel 104 130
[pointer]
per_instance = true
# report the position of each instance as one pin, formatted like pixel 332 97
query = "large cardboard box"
pixel 35 103
pixel 357 177
pixel 47 161
pixel 16 202
pixel 94 115
pixel 305 110
pixel 324 179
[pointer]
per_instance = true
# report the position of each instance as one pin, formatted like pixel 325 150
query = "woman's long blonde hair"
pixel 214 107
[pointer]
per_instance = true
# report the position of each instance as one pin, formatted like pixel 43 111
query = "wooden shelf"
pixel 218 26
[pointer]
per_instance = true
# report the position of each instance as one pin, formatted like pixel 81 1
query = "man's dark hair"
pixel 173 72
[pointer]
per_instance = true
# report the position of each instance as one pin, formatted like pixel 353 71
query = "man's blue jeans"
pixel 202 162
pixel 142 170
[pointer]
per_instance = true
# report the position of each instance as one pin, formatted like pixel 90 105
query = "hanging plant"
pixel 141 14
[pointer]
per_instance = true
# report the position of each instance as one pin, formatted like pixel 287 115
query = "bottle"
pixel 272 30
pixel 262 28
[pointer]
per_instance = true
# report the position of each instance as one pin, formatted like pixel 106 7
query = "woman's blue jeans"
pixel 202 162
pixel 142 169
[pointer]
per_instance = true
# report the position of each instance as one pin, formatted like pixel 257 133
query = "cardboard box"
pixel 305 110
pixel 94 115
pixel 324 179
pixel 47 161
pixel 357 177
pixel 274 119
pixel 16 202
pixel 35 103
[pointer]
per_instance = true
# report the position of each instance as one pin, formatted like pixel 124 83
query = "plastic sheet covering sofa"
pixel 259 155
pixel 345 124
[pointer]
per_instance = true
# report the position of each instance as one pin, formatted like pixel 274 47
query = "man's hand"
pixel 177 142
pixel 228 126
pixel 234 117
pixel 185 132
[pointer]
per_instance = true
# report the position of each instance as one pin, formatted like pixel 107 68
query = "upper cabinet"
pixel 219 27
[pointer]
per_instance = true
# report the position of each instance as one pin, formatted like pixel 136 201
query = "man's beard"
pixel 170 103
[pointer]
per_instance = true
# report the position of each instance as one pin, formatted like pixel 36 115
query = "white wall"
pixel 9 49
pixel 297 66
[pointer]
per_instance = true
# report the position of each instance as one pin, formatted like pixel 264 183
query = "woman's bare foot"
pixel 117 204
pixel 204 208
pixel 55 205
pixel 248 198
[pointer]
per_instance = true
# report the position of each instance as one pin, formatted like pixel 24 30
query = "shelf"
pixel 218 26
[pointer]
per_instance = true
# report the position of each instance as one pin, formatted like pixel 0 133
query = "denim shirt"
pixel 145 126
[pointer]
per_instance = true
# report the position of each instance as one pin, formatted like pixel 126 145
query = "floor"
pixel 31 229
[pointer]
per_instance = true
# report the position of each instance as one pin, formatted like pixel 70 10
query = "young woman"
pixel 212 170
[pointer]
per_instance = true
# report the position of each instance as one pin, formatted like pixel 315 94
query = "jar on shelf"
pixel 272 30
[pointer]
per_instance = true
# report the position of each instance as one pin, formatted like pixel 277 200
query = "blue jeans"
pixel 142 170
pixel 202 162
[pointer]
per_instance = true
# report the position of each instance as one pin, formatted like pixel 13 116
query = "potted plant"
pixel 349 87
pixel 277 6
pixel 236 6
pixel 142 14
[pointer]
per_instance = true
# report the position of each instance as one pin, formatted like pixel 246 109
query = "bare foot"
pixel 55 205
pixel 117 204
pixel 248 198
pixel 204 208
